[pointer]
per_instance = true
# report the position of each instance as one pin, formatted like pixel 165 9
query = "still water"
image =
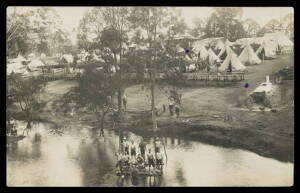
pixel 77 158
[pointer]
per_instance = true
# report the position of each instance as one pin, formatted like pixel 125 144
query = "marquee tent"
pixel 281 41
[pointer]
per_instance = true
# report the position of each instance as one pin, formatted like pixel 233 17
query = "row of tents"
pixel 24 66
pixel 266 47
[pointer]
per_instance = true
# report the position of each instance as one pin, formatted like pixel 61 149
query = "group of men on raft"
pixel 139 156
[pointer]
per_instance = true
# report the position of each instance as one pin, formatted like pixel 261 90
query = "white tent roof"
pixel 179 49
pixel 197 46
pixel 68 57
pixel 212 57
pixel 226 49
pixel 279 38
pixel 248 56
pixel 258 40
pixel 35 63
pixel 18 59
pixel 269 47
pixel 200 48
pixel 188 59
pixel 235 63
pixel 16 67
pixel 220 45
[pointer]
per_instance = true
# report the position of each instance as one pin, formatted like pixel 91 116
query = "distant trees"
pixel 198 27
pixel 251 27
pixel 35 30
pixel 223 22
pixel 288 24
pixel 272 25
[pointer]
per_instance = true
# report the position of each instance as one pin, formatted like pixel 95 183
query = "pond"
pixel 74 157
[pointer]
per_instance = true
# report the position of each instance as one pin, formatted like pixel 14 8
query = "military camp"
pixel 149 96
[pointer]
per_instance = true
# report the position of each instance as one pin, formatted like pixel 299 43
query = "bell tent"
pixel 231 63
pixel 267 50
pixel 248 56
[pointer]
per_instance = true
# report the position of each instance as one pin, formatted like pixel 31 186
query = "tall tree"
pixel 152 20
pixel 95 88
pixel 288 24
pixel 251 27
pixel 225 22
pixel 272 25
pixel 198 27
pixel 111 23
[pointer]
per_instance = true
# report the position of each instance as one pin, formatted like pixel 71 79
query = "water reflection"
pixel 77 158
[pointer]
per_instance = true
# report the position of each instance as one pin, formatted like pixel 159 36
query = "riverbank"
pixel 270 134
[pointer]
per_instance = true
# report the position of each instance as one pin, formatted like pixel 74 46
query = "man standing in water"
pixel 126 146
pixel 157 145
pixel 150 159
pixel 133 149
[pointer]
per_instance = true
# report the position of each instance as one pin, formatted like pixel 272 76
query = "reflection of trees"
pixel 180 174
pixel 36 146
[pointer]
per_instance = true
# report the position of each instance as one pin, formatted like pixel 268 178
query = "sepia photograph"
pixel 143 96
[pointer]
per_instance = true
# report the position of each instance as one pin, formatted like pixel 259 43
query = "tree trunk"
pixel 120 89
pixel 153 76
pixel 154 122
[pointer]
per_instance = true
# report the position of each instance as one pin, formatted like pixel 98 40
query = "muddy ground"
pixel 270 134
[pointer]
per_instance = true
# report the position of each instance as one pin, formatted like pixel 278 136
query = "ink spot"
pixel 187 51
pixel 246 85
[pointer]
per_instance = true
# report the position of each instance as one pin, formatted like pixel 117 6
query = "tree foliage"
pixel 35 30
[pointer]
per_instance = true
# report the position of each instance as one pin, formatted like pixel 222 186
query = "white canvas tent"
pixel 281 41
pixel 244 41
pixel 212 57
pixel 19 59
pixel 203 54
pixel 179 49
pixel 16 67
pixel 258 40
pixel 226 49
pixel 197 46
pixel 220 45
pixel 35 63
pixel 68 58
pixel 248 56
pixel 233 62
pixel 43 55
pixel 188 59
pixel 268 48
